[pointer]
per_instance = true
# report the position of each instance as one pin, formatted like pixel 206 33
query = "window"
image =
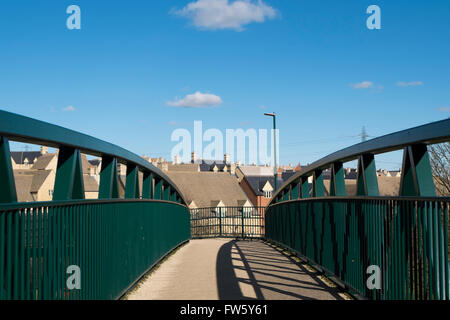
pixel 268 194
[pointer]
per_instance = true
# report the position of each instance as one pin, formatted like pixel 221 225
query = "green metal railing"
pixel 228 222
pixel 112 241
pixel 404 237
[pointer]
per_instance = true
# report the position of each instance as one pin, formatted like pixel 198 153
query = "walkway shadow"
pixel 268 273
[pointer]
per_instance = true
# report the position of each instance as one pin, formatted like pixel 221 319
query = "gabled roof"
pixel 20 156
pixel 28 182
pixel 43 161
pixel 95 162
pixel 352 174
pixel 204 187
pixel 192 205
pixel 216 203
pixel 244 203
pixel 39 177
pixel 267 187
pixel 23 186
pixel 257 183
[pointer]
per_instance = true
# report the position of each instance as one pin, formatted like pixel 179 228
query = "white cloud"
pixel 226 14
pixel 197 100
pixel 409 84
pixel 443 109
pixel 362 85
pixel 68 109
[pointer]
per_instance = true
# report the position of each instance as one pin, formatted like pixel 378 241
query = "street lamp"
pixel 273 115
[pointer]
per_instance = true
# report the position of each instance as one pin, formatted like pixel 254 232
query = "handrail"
pixel 24 129
pixel 431 133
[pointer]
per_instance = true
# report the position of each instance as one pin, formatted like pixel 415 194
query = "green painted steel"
pixel 337 181
pixel 109 179
pixel 417 179
pixel 367 182
pixel 158 189
pixel 147 186
pixel 318 187
pixel 435 132
pixel 227 222
pixel 69 175
pixel 132 183
pixel 113 242
pixel 405 237
pixel 23 129
pixel 7 185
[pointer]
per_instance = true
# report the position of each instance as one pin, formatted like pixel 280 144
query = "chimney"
pixel 193 157
pixel 177 159
pixel 280 173
pixel 226 158
pixel 44 150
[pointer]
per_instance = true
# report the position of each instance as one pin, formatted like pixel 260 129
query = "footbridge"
pixel 304 245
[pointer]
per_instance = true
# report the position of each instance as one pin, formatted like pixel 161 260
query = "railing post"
pixel 158 188
pixel 7 186
pixel 417 178
pixel 304 192
pixel 295 191
pixel 243 234
pixel 69 182
pixel 220 221
pixel 109 179
pixel 337 180
pixel 167 192
pixel 367 182
pixel 318 187
pixel 132 182
pixel 147 185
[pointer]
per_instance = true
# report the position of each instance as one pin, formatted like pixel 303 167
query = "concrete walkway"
pixel 223 269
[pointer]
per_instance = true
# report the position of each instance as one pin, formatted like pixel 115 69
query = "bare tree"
pixel 440 166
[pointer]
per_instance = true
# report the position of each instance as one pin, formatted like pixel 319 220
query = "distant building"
pixel 26 159
pixel 259 189
pixel 200 165
pixel 202 188
pixel 36 183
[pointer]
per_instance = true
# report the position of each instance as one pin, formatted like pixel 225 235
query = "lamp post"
pixel 273 115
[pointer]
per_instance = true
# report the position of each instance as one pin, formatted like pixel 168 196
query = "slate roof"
pixel 95 162
pixel 287 174
pixel 257 183
pixel 20 156
pixel 350 175
pixel 208 165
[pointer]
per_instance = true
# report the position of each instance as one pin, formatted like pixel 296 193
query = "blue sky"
pixel 125 76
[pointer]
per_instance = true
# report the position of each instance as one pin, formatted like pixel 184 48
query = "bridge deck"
pixel 224 269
